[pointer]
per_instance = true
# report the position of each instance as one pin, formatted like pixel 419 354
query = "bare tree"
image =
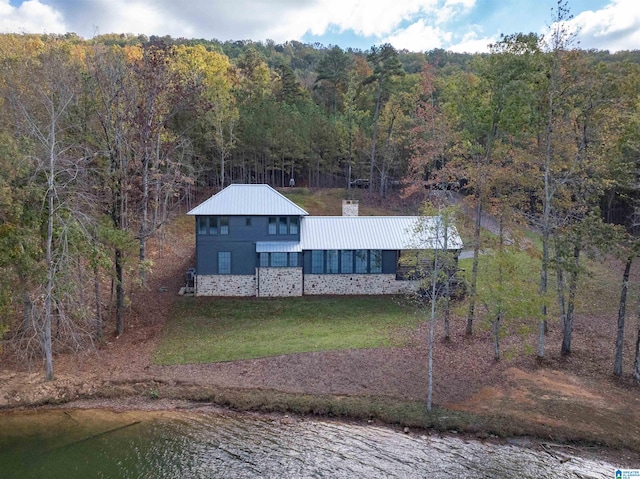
pixel 434 264
pixel 43 93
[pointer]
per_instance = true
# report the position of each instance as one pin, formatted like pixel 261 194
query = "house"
pixel 253 241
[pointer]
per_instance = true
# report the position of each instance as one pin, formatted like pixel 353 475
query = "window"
pixel 376 261
pixel 317 261
pixel 278 260
pixel 247 221
pixel 224 225
pixel 346 261
pixel 282 228
pixel 281 225
pixel 361 261
pixel 332 261
pixel 202 225
pixel 213 225
pixel 224 262
pixel 294 225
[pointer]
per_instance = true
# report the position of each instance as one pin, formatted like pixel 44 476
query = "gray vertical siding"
pixel 241 242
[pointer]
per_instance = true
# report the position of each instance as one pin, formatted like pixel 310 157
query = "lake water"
pixel 95 443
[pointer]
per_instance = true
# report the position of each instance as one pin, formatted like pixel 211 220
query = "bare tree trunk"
pixel 96 290
pixel 622 308
pixel 542 323
pixel 562 304
pixel 48 299
pixel 474 268
pixel 573 287
pixel 375 135
pixel 496 336
pixel 447 306
pixel 432 323
pixel 560 283
pixel 119 292
pixel 143 231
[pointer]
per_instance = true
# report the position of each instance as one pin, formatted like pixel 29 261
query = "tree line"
pixel 102 139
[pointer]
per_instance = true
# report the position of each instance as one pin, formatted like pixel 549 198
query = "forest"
pixel 103 140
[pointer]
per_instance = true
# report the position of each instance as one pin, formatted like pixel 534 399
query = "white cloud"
pixel 30 17
pixel 454 8
pixel 411 24
pixel 471 43
pixel 419 37
pixel 364 17
pixel 615 27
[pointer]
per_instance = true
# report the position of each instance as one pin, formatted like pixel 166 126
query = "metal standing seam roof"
pixel 248 200
pixel 373 232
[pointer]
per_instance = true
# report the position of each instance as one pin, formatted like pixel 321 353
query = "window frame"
pixel 333 261
pixel 317 261
pixel 203 225
pixel 360 262
pixel 294 225
pixel 375 261
pixel 224 262
pixel 346 261
pixel 223 225
pixel 273 225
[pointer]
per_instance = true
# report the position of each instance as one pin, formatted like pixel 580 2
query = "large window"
pixel 361 260
pixel 224 262
pixel 346 261
pixel 332 261
pixel 317 262
pixel 375 261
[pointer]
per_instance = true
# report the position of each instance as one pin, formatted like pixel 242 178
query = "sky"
pixel 415 25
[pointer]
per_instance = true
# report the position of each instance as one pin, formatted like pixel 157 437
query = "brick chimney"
pixel 349 207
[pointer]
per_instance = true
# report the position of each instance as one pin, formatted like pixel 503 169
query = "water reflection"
pixel 179 444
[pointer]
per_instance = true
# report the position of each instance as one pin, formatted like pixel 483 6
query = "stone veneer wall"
pixel 318 284
pixel 225 285
pixel 279 282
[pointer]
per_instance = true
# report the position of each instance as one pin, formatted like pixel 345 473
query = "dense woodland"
pixel 102 139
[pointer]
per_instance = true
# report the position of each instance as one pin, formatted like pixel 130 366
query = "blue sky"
pixel 415 25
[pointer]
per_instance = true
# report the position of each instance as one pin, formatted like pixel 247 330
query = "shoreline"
pixel 153 395
pixel 619 457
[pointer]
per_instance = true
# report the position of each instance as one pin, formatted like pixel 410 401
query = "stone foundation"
pixel 225 285
pixel 282 282
pixel 279 282
pixel 348 284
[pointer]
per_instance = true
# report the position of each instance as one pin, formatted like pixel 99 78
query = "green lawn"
pixel 204 330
